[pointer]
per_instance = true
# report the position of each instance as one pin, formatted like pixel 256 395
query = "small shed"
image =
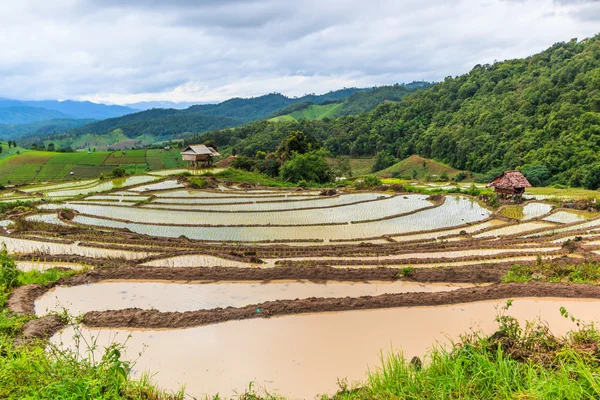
pixel 199 153
pixel 511 184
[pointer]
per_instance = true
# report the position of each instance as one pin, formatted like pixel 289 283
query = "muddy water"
pixel 303 355
pixel 173 296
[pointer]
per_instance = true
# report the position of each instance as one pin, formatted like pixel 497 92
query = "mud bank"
pixel 138 319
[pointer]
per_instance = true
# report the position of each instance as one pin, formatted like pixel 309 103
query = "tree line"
pixel 540 114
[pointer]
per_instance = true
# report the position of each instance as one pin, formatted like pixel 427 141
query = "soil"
pixel 137 318
pixel 22 299
pixel 42 328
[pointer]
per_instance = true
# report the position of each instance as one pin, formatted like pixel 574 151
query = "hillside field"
pixel 422 166
pixel 311 113
pixel 359 165
pixel 42 166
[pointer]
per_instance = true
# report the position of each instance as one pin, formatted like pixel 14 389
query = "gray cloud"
pixel 210 50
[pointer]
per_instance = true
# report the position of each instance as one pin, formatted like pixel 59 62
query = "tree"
pixel 297 142
pixel 211 143
pixel 537 175
pixel 243 162
pixel 343 167
pixel 310 167
pixel 50 147
pixel 383 160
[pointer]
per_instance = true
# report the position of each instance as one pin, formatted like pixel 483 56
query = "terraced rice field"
pixel 197 276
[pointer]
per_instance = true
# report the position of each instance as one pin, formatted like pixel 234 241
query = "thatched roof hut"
pixel 510 183
pixel 199 153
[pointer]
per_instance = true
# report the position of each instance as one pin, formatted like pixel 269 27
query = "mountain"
pixel 162 124
pixel 25 111
pixel 45 127
pixel 147 105
pixel 19 114
pixel 540 114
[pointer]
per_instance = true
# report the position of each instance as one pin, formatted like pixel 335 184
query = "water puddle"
pixel 302 356
pixel 173 296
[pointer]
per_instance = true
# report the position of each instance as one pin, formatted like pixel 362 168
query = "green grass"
pixel 423 168
pixel 569 193
pixel 41 166
pixel 311 113
pixel 588 272
pixel 6 152
pixel 237 175
pixel 359 165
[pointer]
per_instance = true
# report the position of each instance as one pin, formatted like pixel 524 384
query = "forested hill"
pixel 541 113
pixel 163 124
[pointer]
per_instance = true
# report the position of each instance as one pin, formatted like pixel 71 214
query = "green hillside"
pixel 312 112
pixel 415 167
pixel 164 124
pixel 16 131
pixel 541 114
pixel 41 166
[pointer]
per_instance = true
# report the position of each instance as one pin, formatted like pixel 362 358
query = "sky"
pixel 128 51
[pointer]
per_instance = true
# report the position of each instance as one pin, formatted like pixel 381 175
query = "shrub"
pixel 118 172
pixel 370 182
pixel 9 274
pixel 473 190
pixel 461 176
pixel 198 183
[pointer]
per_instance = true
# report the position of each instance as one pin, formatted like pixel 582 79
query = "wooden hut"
pixel 511 184
pixel 198 153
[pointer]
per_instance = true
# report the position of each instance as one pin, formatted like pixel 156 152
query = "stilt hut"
pixel 510 185
pixel 198 153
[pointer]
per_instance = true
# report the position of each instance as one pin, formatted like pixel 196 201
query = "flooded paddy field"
pixel 229 285
pixel 175 296
pixel 274 352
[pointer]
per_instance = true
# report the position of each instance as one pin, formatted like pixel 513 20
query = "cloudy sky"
pixel 125 51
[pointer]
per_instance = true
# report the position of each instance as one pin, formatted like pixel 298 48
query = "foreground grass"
pixel 35 370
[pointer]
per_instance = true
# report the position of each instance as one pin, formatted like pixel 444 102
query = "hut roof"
pixel 510 180
pixel 200 149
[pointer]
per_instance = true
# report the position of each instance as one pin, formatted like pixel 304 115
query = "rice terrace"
pixel 315 200
pixel 150 260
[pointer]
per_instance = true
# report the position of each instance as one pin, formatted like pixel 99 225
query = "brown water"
pixel 302 356
pixel 174 296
